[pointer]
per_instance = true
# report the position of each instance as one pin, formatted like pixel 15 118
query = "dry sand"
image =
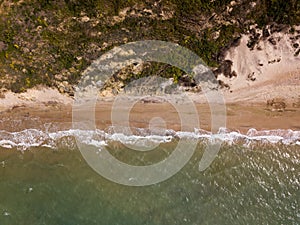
pixel 265 72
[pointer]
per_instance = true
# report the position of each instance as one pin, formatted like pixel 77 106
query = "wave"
pixel 138 138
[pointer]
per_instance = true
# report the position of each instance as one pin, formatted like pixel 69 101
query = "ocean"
pixel 254 179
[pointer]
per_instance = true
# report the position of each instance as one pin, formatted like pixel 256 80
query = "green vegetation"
pixel 48 42
pixel 280 11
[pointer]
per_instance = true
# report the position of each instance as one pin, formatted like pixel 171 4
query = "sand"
pixel 246 99
pixel 245 108
pixel 265 72
pixel 239 117
pixel 36 97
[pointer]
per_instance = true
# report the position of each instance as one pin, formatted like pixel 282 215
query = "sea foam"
pixel 139 137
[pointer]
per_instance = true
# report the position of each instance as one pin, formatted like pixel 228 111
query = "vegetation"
pixel 49 42
pixel 280 11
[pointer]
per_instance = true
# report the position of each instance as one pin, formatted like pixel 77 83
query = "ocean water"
pixel 44 179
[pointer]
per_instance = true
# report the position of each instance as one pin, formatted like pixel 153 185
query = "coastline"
pixel 240 117
pixel 246 108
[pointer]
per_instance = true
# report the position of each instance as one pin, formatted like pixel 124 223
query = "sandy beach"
pixel 239 117
pixel 157 112
pixel 263 105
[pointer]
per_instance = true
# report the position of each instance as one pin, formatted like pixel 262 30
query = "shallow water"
pixel 254 182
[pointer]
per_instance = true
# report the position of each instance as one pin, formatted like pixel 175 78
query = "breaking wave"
pixel 28 138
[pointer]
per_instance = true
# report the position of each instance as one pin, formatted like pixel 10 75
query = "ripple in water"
pixel 254 180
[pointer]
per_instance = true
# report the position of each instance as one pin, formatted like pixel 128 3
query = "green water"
pixel 257 185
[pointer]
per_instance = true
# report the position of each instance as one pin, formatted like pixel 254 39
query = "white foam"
pixel 142 137
pixel 7 144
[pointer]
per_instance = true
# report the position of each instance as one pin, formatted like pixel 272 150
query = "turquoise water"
pixel 258 184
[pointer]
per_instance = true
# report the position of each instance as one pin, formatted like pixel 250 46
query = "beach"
pixel 149 112
pixel 252 180
pixel 238 118
pixel 246 108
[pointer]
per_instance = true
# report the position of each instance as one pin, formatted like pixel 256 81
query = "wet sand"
pixel 239 117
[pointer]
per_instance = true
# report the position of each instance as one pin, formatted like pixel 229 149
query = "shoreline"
pixel 239 117
pixel 24 127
